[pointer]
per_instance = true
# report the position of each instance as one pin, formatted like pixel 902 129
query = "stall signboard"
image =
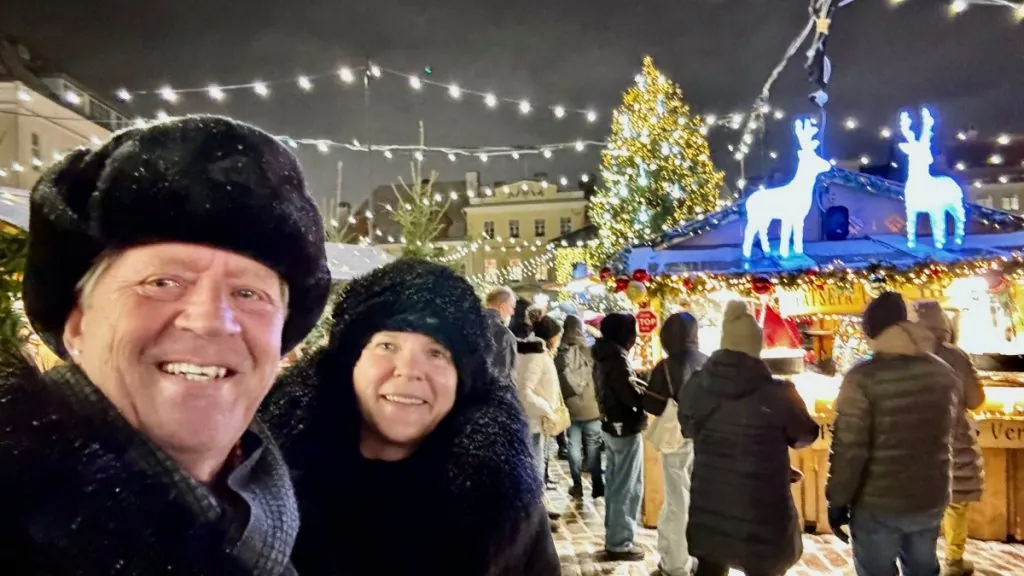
pixel 843 301
pixel 1000 433
pixel 647 322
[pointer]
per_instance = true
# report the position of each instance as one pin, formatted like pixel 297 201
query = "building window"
pixel 1015 203
pixel 515 270
pixel 490 269
pixel 564 225
pixel 542 273
pixel 513 228
pixel 1005 200
pixel 37 153
pixel 489 228
pixel 539 227
pixel 986 201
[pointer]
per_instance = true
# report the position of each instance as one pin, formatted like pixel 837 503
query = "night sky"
pixel 580 53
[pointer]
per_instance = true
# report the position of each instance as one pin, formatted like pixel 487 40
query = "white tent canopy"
pixel 346 261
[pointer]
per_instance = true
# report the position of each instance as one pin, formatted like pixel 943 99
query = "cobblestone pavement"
pixel 580 543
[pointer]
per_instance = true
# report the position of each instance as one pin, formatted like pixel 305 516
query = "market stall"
pixel 824 288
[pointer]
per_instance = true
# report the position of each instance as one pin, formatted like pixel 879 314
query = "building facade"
pixel 45 115
pixel 513 224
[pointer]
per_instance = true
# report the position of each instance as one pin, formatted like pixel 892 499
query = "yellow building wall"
pixel 513 202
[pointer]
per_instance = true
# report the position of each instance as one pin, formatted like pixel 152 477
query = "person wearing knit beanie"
pixel 740 331
pixel 743 423
pixel 171 268
pixel 401 424
pixel 884 312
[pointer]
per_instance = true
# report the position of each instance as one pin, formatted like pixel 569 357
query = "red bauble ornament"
pixel 761 286
pixel 606 274
pixel 997 281
pixel 688 284
pixel 641 275
pixel 621 284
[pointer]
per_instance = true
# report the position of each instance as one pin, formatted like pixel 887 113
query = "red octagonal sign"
pixel 647 321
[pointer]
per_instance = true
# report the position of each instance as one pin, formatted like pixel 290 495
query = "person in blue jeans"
pixel 619 395
pixel 576 378
pixel 889 477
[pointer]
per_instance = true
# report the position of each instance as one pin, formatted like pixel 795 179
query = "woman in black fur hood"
pixel 409 455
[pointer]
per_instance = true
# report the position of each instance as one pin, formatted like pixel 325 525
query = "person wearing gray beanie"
pixel 743 423
pixel 890 463
pixel 400 431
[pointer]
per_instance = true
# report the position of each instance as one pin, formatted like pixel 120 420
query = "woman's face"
pixel 405 384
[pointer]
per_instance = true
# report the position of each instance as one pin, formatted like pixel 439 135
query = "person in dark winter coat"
pixel 171 268
pixel 968 468
pixel 679 341
pixel 743 423
pixel 889 471
pixel 623 421
pixel 575 368
pixel 499 307
pixel 409 456
pixel 520 325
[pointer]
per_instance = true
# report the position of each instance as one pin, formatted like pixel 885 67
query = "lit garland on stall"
pixel 657 167
pixel 875 278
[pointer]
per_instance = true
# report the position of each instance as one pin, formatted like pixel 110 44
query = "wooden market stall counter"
pixel 1000 514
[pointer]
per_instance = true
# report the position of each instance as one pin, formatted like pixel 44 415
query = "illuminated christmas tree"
pixel 657 171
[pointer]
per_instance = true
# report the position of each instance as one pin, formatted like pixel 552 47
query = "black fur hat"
pixel 413 295
pixel 202 179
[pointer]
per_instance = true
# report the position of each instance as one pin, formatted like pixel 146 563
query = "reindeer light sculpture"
pixel 932 195
pixel 790 203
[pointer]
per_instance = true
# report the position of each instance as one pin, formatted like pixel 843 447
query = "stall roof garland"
pixel 875 277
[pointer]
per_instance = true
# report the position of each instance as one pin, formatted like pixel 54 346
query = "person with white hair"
pixel 499 307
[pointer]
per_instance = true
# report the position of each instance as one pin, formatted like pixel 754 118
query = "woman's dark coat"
pixel 743 423
pixel 468 502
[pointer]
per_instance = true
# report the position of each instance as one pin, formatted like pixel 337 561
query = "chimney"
pixel 472 182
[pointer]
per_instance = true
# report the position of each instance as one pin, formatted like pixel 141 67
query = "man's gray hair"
pixel 499 296
pixel 87 284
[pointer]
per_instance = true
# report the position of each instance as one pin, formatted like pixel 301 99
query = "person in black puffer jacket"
pixel 743 423
pixel 622 423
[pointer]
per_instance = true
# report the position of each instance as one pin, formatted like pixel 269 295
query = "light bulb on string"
pixel 168 94
pixel 388 154
pixel 563 181
pixel 305 84
pixel 490 100
pixel 124 95
pixel 451 157
pixel 515 155
pixel 418 155
pixel 215 92
pixel 323 147
pixel 1003 140
pixel 260 88
pixel 415 82
pixel 580 146
pixel 524 107
pixel 375 71
pixel 958 6
pixel 591 116
pixel 559 112
pixel 885 133
pixel 346 75
pixel 547 153
pixel 454 91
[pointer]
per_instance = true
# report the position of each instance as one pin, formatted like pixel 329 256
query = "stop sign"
pixel 647 321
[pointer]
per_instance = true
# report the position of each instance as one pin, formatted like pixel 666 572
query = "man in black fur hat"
pixel 171 268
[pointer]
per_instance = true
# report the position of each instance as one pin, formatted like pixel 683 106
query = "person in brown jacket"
pixel 968 470
pixel 890 464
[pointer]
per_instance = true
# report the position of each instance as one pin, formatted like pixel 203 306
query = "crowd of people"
pixel 174 267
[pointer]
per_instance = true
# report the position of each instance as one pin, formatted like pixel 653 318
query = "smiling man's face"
pixel 185 341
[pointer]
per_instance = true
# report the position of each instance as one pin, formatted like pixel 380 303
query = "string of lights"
pixel 761 108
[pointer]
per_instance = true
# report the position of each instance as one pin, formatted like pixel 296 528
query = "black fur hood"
pixel 531 345
pixel 470 491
